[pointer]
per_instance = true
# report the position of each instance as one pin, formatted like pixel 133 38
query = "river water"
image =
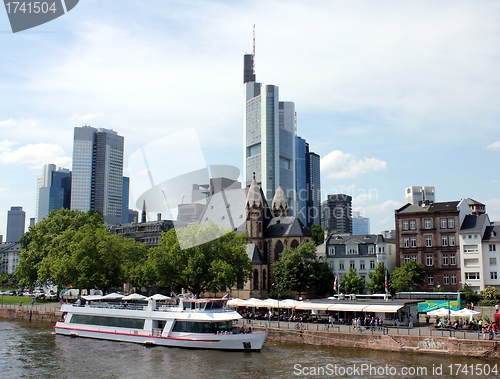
pixel 32 350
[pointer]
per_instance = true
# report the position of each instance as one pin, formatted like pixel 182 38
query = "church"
pixel 269 231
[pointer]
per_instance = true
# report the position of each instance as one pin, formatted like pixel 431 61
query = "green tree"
pixel 352 282
pixel 469 295
pixel 324 279
pixel 296 268
pixel 406 277
pixel 490 293
pixel 377 279
pixel 318 234
pixel 213 265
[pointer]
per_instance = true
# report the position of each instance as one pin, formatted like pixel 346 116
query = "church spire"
pixel 280 203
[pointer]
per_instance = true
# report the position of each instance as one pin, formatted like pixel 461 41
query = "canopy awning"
pixel 349 307
pixel 313 306
pixel 383 308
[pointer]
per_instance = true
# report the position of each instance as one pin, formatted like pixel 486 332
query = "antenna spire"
pixel 253 51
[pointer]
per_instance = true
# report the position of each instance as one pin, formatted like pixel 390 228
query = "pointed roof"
pixel 254 197
pixel 279 200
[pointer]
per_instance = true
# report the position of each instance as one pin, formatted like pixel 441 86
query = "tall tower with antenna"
pixel 249 64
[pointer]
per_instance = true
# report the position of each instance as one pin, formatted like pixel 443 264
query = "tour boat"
pixel 192 323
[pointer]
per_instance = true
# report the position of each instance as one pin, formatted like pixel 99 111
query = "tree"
pixel 318 234
pixel 377 279
pixel 212 265
pixel 469 295
pixel 352 282
pixel 490 293
pixel 296 268
pixel 406 277
pixel 324 279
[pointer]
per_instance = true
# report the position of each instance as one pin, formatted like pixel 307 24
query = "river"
pixel 32 350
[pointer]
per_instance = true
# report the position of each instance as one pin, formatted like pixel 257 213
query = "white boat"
pixel 193 323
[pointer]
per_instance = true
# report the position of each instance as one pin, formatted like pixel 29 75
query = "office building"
pixel 269 137
pixel 336 213
pixel 360 225
pixel 97 179
pixel 308 183
pixel 53 190
pixel 16 221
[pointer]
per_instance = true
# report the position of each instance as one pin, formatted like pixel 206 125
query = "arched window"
pixel 264 279
pixel 278 248
pixel 255 279
pixel 294 244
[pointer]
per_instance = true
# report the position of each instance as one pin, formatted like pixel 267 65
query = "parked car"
pixel 28 294
pixel 51 296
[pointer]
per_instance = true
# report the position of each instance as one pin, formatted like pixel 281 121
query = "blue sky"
pixel 389 93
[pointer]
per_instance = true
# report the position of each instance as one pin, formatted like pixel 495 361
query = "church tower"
pixel 280 203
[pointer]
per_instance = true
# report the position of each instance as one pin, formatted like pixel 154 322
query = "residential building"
pixel 16 224
pixel 336 214
pixel 419 194
pixel 53 190
pixel 428 234
pixel 97 179
pixel 363 252
pixel 9 255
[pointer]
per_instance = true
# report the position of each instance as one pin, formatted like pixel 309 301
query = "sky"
pixel 390 94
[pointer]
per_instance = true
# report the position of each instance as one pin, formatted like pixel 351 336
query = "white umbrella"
pixel 235 302
pixel 159 296
pixel 253 302
pixel 464 312
pixel 442 312
pixel 112 296
pixel 93 297
pixel 134 296
pixel 289 303
pixel 271 303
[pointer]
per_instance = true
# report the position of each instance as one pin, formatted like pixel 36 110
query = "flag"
pixel 227 296
pixel 335 283
pixel 386 285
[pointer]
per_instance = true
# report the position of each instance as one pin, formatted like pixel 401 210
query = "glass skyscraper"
pixel 97 179
pixel 53 190
pixel 16 221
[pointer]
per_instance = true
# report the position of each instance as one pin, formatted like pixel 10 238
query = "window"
pixel 427 223
pixel 445 260
pixel 430 279
pixel 406 242
pixel 453 278
pixel 493 261
pixel 414 258
pixel 453 259
pixel 413 241
pixel 444 240
pixel 341 265
pixel 451 223
pixel 446 279
pixel 372 265
pixel 471 249
pixel 471 275
pixel 362 265
pixel 405 225
pixel 451 240
pixel 428 260
pixel 493 275
pixel 407 258
pixel 493 247
pixel 413 225
pixel 352 264
pixel 428 241
pixel 443 223
pixel 331 250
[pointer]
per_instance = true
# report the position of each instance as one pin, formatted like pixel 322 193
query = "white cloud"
pixel 340 165
pixel 33 155
pixel 18 124
pixel 494 146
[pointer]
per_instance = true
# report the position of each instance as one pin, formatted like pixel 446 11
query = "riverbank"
pixel 422 339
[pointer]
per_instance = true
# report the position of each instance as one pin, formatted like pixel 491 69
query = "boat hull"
pixel 236 342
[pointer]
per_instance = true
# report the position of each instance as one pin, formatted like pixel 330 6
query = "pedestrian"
pixel 410 322
pixel 496 308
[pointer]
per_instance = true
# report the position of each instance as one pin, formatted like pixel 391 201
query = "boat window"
pixel 120 322
pixel 203 327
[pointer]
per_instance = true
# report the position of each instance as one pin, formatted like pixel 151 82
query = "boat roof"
pixel 203 300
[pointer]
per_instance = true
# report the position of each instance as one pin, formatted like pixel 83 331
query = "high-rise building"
pixel 16 221
pixel 97 180
pixel 125 199
pixel 336 213
pixel 360 225
pixel 53 190
pixel 416 195
pixel 269 136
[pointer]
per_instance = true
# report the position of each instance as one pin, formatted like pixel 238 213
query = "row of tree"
pixel 75 249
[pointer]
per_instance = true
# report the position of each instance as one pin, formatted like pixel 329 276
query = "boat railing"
pixel 128 306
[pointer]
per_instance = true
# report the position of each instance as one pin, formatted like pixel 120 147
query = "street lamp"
pixel 449 313
pixel 278 295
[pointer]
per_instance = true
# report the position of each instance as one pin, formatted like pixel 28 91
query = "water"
pixel 32 350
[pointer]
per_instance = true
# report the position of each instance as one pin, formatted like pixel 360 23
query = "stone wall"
pixel 418 344
pixel 25 313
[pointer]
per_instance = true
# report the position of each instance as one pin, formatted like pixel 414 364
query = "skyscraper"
pixel 125 199
pixel 53 190
pixel 97 179
pixel 337 213
pixel 419 194
pixel 360 225
pixel 16 220
pixel 269 137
